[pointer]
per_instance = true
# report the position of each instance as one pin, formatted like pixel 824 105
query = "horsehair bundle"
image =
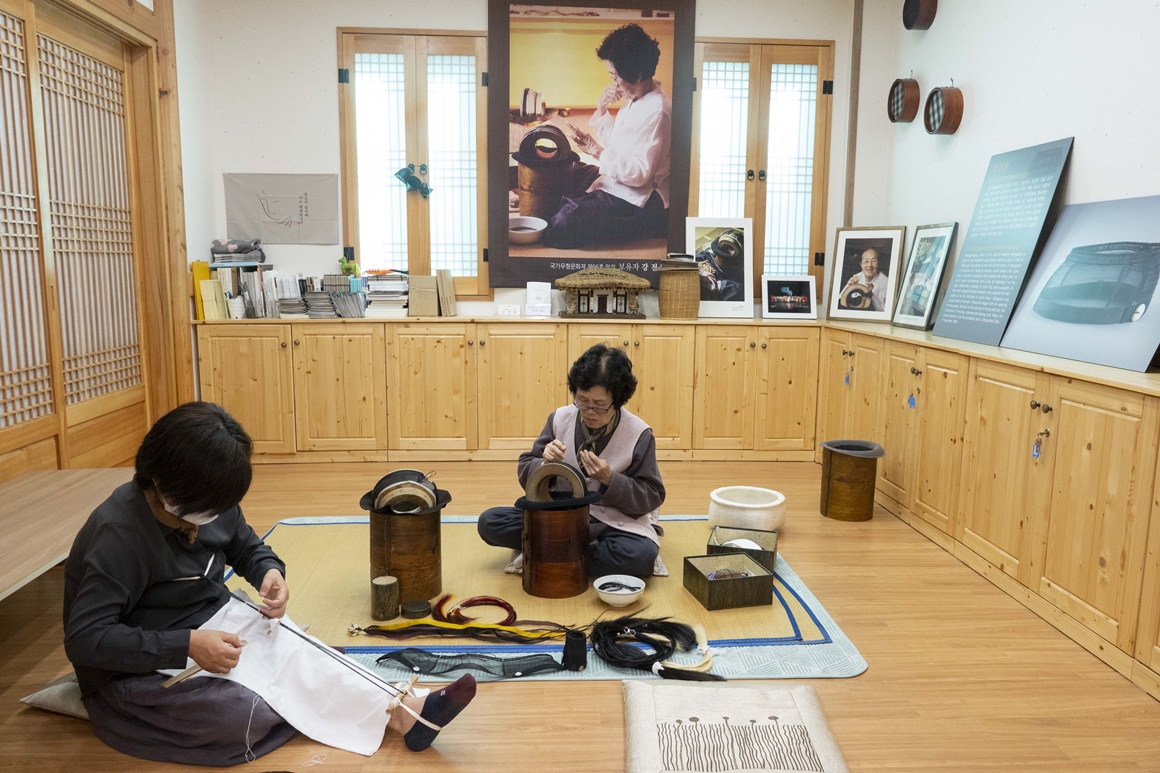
pixel 617 642
pixel 455 615
pixel 482 631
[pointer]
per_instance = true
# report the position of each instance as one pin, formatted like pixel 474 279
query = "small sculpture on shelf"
pixel 602 293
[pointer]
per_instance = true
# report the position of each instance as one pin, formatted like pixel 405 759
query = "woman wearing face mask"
pixel 146 570
pixel 617 452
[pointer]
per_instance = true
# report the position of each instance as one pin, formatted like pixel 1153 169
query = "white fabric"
pixel 319 696
pixel 618 454
pixel 728 729
pixel 635 159
pixel 877 287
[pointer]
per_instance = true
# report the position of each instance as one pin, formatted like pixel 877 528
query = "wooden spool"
pixel 408 547
pixel 944 110
pixel 903 100
pixel 919 14
pixel 849 469
pixel 555 547
pixel 384 598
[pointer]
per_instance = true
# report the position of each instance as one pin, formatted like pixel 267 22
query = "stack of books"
pixel 387 295
pixel 348 305
pixel 320 306
pixel 336 283
pixel 290 300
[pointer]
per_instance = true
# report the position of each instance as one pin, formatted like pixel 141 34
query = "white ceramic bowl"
pixel 619 598
pixel 747 507
pixel 525 230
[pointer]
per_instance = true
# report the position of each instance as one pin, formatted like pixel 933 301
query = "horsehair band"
pixel 455 615
pixel 483 631
pixel 617 642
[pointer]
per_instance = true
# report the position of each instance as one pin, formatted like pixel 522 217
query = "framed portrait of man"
pixel 923 276
pixel 589 130
pixel 865 272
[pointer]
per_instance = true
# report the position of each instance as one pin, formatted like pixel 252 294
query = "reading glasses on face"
pixel 601 409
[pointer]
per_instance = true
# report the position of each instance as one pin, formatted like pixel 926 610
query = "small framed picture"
pixel 865 274
pixel 723 249
pixel 922 279
pixel 788 297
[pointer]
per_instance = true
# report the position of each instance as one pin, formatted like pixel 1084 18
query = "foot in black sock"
pixel 440 708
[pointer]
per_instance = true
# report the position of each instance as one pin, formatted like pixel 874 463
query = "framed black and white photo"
pixel 788 296
pixel 865 273
pixel 923 276
pixel 723 250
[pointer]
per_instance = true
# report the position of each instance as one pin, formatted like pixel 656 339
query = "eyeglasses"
pixel 601 409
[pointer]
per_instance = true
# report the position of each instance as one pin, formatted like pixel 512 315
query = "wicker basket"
pixel 680 293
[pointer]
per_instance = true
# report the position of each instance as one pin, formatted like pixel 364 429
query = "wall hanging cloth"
pixel 431 664
pixel 1102 284
pixel 727 729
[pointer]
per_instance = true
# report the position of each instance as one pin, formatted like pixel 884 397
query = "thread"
pixel 249 755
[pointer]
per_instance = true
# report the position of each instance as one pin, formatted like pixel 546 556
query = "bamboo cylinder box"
pixel 849 469
pixel 555 541
pixel 408 546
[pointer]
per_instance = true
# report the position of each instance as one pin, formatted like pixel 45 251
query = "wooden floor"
pixel 962 677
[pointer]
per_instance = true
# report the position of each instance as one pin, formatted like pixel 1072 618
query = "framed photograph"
pixel 922 279
pixel 723 249
pixel 865 274
pixel 788 296
pixel 589 131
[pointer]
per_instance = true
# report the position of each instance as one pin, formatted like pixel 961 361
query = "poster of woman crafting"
pixel 589 154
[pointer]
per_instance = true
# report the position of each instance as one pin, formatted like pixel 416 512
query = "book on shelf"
pixel 213 300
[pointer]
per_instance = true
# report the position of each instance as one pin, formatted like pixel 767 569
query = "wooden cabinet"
pixel 938 433
pixel 723 392
pixel 522 377
pixel 249 371
pixel 663 361
pixel 848 393
pixel 431 386
pixel 786 399
pixel 898 420
pixel 1087 555
pixel 340 386
pixel 1148 628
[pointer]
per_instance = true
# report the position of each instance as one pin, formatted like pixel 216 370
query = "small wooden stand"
pixel 384 598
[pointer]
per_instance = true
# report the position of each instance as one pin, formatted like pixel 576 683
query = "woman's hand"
pixel 215 651
pixel 585 141
pixel 274 593
pixel 596 468
pixel 609 97
pixel 554 451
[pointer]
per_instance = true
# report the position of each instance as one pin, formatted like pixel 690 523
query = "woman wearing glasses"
pixel 616 450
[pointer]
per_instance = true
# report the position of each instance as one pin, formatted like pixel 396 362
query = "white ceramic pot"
pixel 747 507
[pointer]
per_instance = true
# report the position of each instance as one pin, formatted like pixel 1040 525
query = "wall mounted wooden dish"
pixel 919 14
pixel 903 101
pixel 944 110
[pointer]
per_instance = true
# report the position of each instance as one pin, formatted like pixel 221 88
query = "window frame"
pixel 415 45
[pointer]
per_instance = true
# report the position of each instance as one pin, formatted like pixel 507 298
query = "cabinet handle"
pixel 470 342
pixel 482 342
pixel 749 175
pixel 765 346
pixel 1034 404
pixel 295 341
pixel 1046 408
pixel 283 344
pixel 636 343
pixel 845 352
pixel 761 175
pixel 916 371
pixel 626 343
pixel 752 345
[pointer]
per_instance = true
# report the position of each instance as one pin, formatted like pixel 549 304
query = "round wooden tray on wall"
pixel 903 100
pixel 919 14
pixel 944 110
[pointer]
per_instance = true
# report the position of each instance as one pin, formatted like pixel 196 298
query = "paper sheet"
pixel 282 208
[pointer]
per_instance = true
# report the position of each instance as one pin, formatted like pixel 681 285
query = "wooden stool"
pixel 849 468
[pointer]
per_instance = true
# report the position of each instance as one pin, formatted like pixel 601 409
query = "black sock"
pixel 441 707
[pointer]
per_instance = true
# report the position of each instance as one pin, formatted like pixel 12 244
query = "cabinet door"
pixel 723 393
pixel 340 386
pixel 663 362
pixel 582 336
pixel 938 447
pixel 787 393
pixel 898 422
pixel 1088 554
pixel 248 370
pixel 833 387
pixel 1001 478
pixel 867 354
pixel 431 386
pixel 522 375
pixel 1148 628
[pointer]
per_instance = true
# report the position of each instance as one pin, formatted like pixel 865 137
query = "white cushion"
pixel 60 697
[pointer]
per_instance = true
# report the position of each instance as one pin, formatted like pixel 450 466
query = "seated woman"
pixel 146 570
pixel 617 452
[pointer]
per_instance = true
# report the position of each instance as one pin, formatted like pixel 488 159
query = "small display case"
pixel 728 580
pixel 766 555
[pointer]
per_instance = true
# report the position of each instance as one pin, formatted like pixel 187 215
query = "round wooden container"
pixel 903 101
pixel 944 110
pixel 408 547
pixel 542 189
pixel 555 547
pixel 849 468
pixel 919 14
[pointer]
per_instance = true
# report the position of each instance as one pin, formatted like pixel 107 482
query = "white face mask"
pixel 197 519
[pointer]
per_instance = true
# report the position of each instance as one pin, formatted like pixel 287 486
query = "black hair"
pixel 198 456
pixel 632 52
pixel 605 367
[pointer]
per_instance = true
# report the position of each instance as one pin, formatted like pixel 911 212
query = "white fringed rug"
pixel 696 727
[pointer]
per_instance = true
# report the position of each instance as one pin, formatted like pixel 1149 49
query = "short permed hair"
pixel 632 52
pixel 198 456
pixel 605 367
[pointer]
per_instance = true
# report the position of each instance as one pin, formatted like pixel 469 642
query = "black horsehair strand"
pixel 616 642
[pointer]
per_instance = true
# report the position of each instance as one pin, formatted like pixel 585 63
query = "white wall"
pixel 258 89
pixel 1031 71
